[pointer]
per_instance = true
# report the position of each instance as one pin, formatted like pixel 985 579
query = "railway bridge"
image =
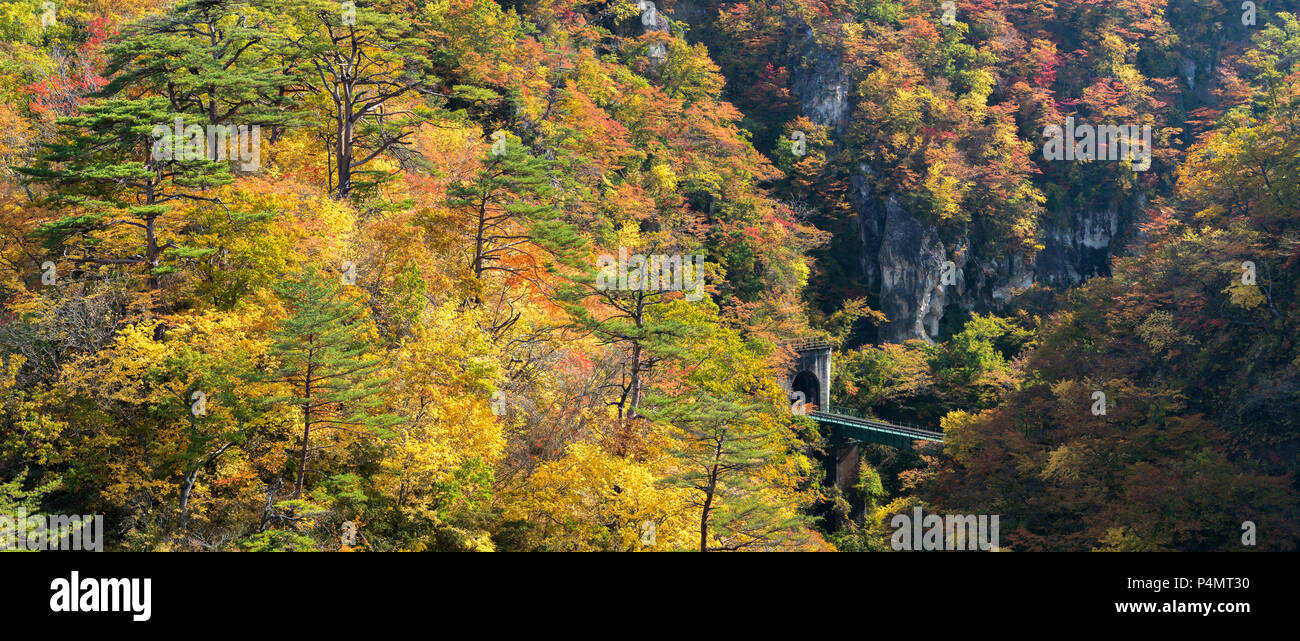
pixel 808 384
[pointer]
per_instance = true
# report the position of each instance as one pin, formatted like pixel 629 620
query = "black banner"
pixel 318 592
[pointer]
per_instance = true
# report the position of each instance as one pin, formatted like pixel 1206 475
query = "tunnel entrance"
pixel 807 383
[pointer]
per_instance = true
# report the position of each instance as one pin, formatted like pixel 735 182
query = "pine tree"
pixel 323 352
pixel 506 208
pixel 722 448
pixel 208 63
pixel 731 442
pixel 630 319
pixel 216 59
pixel 104 170
pixel 371 66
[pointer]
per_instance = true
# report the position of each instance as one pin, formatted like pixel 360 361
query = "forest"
pixel 497 275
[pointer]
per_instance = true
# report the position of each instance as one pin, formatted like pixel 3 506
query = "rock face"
pixel 821 83
pixel 906 262
pixel 913 290
pixel 1077 246
pixel 903 260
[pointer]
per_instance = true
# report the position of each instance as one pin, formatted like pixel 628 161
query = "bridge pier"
pixel 845 463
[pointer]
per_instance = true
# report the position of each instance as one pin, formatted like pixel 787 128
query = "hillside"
pixel 477 275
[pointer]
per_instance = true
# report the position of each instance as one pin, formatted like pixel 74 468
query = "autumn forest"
pixel 495 275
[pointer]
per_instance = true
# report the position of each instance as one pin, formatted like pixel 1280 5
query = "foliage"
pixel 389 331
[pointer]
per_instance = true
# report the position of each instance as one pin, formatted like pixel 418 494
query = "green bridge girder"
pixel 872 430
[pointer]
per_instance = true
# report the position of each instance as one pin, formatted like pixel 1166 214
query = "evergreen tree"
pixel 324 355
pixel 217 59
pixel 506 209
pixel 731 443
pixel 371 67
pixel 630 320
pixel 721 451
pixel 106 172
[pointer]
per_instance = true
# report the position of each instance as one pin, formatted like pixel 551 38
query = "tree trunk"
pixel 306 435
pixel 479 239
pixel 186 487
pixel 152 256
pixel 704 514
pixel 634 385
pixel 634 400
pixel 343 149
pixel 302 457
pixel 709 492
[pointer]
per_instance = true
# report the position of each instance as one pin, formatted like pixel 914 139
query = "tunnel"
pixel 807 383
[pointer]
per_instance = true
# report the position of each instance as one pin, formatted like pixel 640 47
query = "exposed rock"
pixel 1077 246
pixel 1188 68
pixel 902 258
pixel 911 259
pixel 821 83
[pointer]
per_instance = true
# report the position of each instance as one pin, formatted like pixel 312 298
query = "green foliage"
pixel 323 353
pixel 478 387
pixel 277 541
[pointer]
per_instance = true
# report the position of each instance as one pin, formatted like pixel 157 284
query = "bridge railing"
pixel 856 413
pixel 807 343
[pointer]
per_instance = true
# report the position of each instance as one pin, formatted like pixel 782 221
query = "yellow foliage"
pixel 591 500
pixel 440 382
pixel 1244 296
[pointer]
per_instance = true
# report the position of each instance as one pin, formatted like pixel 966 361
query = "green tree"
pixel 735 447
pixel 219 59
pixel 107 171
pixel 513 230
pixel 372 67
pixel 506 205
pixel 323 349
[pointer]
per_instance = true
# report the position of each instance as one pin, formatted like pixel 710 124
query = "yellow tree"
pixel 437 467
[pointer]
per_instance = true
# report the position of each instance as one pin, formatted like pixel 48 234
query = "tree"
pixel 367 62
pixel 438 469
pixel 591 500
pixel 514 232
pixel 107 169
pixel 217 59
pixel 323 352
pixel 628 317
pixel 734 446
